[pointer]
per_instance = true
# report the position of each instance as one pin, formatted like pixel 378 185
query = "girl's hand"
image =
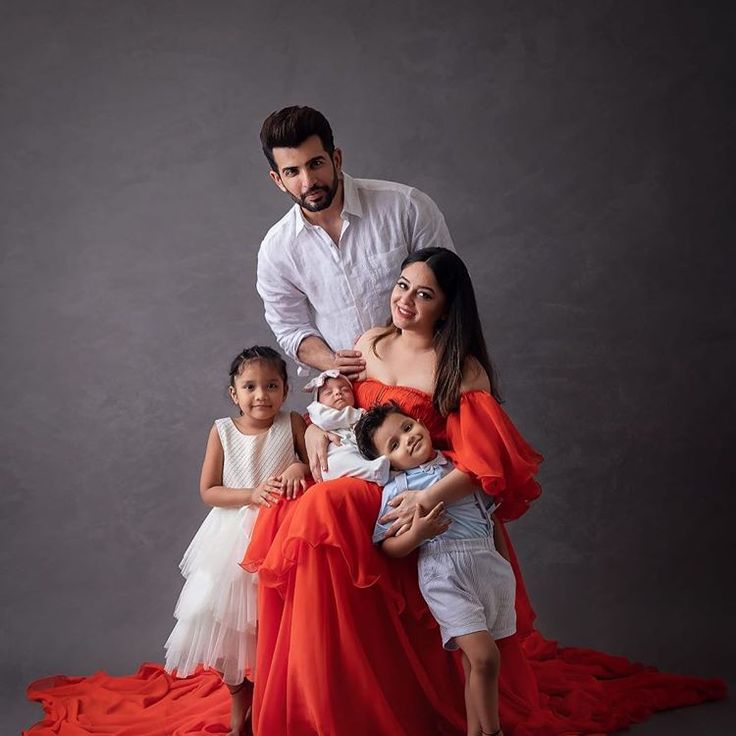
pixel 431 525
pixel 294 479
pixel 317 442
pixel 267 493
pixel 405 506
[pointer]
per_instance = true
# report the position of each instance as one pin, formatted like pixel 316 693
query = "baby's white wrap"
pixel 345 459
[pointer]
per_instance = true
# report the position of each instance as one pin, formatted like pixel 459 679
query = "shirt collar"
pixel 434 462
pixel 299 222
pixel 350 198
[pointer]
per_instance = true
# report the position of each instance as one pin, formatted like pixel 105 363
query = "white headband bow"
pixel 318 381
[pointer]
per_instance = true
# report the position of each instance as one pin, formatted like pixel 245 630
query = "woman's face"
pixel 417 302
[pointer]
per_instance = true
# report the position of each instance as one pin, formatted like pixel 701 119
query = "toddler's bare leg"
pixel 482 680
pixel 470 714
pixel 241 699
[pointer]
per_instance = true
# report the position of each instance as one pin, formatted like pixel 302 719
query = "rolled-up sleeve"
pixel 427 224
pixel 286 307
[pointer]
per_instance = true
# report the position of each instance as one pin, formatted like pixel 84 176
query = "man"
pixel 326 269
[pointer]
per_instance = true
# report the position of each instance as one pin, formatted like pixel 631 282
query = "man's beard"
pixel 320 204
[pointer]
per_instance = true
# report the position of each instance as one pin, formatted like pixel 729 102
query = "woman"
pixel 346 644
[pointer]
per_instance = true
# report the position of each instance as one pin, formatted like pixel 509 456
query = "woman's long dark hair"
pixel 459 335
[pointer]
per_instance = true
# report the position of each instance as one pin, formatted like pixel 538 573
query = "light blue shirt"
pixel 470 515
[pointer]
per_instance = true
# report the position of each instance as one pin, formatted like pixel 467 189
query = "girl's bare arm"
pixel 298 431
pixel 212 491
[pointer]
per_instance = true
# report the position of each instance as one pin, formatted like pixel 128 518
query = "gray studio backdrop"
pixel 578 152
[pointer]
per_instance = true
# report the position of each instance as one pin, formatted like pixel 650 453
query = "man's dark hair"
pixel 369 424
pixel 290 127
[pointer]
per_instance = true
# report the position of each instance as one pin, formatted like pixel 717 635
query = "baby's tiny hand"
pixel 267 493
pixel 294 479
pixel 432 524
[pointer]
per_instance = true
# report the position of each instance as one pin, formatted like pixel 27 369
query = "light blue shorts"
pixel 468 587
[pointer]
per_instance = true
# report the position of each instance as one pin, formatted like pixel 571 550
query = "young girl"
pixel 249 462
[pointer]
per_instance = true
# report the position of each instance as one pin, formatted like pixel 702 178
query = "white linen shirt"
pixel 310 286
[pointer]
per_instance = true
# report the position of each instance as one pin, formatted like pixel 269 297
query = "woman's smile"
pixel 404 312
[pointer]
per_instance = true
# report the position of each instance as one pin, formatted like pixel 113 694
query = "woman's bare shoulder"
pixel 475 377
pixel 364 342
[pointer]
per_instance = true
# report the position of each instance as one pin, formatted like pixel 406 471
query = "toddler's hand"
pixel 431 525
pixel 405 506
pixel 294 479
pixel 267 493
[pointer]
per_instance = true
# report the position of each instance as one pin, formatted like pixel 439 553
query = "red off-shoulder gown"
pixel 346 645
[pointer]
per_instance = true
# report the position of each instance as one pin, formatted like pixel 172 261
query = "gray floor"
pixel 712 719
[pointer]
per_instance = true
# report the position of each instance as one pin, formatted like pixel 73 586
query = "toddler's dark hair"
pixel 258 352
pixel 369 424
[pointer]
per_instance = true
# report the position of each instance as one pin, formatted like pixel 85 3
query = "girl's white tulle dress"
pixel 217 610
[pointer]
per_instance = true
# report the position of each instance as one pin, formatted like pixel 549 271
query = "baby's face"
pixel 336 393
pixel 404 441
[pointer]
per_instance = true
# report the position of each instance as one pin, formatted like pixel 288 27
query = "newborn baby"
pixel 334 411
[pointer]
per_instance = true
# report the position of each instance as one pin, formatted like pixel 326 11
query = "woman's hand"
pixel 267 493
pixel 294 479
pixel 405 505
pixel 317 442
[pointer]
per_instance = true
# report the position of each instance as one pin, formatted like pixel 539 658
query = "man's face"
pixel 308 174
pixel 404 441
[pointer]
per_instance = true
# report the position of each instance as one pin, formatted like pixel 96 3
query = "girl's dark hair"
pixel 290 127
pixel 459 335
pixel 258 352
pixel 368 425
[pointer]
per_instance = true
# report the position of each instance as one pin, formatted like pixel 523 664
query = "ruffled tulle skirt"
pixel 217 610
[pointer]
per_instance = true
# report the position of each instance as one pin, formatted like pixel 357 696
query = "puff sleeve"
pixel 486 444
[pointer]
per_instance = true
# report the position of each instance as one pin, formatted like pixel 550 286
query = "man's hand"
pixel 315 352
pixel 350 363
pixel 317 442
